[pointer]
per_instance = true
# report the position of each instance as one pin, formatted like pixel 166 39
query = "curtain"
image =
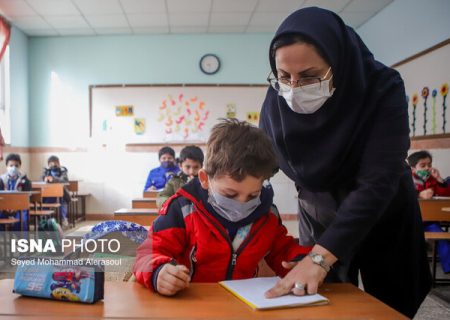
pixel 5 33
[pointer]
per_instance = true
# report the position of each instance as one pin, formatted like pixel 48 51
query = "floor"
pixel 436 306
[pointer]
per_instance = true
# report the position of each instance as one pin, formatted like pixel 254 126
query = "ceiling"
pixel 107 17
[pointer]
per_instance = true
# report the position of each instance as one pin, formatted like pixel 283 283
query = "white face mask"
pixel 307 99
pixel 12 171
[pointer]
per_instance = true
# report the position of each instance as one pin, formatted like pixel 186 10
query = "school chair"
pixel 36 208
pixel 74 201
pixel 53 190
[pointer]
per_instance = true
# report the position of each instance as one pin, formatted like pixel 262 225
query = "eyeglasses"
pixel 288 84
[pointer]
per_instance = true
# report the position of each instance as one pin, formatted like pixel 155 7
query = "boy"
pixel 427 179
pixel 220 225
pixel 57 174
pixel 190 161
pixel 429 183
pixel 158 177
pixel 15 180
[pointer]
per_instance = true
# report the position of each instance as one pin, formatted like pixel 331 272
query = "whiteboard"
pixel 164 114
pixel 426 107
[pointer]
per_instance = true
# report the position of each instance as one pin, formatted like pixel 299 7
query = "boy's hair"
pixel 53 159
pixel 166 150
pixel 237 149
pixel 193 153
pixel 13 157
pixel 415 157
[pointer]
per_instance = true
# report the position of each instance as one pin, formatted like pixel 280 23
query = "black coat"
pixel 355 145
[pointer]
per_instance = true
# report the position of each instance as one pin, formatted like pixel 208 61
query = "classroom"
pixel 168 150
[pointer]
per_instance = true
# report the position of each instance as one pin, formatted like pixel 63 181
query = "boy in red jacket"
pixel 220 225
pixel 429 183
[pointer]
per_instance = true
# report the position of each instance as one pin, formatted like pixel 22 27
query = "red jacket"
pixel 440 189
pixel 187 233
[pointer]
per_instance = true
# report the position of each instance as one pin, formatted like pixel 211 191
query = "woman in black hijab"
pixel 338 120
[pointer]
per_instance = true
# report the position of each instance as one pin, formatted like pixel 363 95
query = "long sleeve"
pixel 285 248
pixel 169 190
pixel 166 242
pixel 381 167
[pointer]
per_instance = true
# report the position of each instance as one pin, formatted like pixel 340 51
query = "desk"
pixel 432 209
pixel 129 300
pixel 150 194
pixel 142 216
pixel 144 203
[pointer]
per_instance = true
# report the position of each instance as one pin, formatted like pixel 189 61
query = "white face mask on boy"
pixel 231 209
pixel 307 99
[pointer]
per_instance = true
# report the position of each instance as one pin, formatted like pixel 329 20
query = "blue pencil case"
pixel 76 284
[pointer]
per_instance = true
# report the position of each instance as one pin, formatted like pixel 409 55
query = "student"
pixel 190 161
pixel 220 225
pixel 14 179
pixel 429 183
pixel 158 177
pixel 55 173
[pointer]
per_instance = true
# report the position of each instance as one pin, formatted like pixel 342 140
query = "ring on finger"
pixel 299 286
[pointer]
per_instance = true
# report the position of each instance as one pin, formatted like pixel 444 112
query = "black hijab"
pixel 319 151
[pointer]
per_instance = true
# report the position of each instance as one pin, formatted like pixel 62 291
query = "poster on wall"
pixel 253 117
pixel 169 114
pixel 427 79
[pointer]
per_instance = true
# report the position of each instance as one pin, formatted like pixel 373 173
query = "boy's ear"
pixel 203 178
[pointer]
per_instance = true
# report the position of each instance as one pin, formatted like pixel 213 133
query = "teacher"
pixel 338 120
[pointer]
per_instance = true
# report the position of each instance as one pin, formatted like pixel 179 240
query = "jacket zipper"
pixel 193 260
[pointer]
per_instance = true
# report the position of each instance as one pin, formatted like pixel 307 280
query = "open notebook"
pixel 251 291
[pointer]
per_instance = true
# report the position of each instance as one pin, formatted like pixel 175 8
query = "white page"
pixel 253 291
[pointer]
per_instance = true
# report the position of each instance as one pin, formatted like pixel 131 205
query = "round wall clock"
pixel 209 63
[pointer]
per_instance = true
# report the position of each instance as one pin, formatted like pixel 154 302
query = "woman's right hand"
pixel 172 279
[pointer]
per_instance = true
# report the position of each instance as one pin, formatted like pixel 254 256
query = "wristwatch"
pixel 319 260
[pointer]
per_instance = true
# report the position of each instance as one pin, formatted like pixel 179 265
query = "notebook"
pixel 251 291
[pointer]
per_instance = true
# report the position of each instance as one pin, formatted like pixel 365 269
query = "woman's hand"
pixel 172 279
pixel 305 272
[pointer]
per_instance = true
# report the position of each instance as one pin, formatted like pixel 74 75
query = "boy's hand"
pixel 151 188
pixel 426 194
pixel 48 179
pixel 435 174
pixel 172 279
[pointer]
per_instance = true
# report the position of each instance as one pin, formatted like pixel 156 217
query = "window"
pixel 5 114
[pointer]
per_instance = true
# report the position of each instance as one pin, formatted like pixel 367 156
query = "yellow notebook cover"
pixel 251 291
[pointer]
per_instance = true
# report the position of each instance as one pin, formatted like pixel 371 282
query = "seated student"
pixel 14 179
pixel 158 177
pixel 220 225
pixel 57 174
pixel 429 183
pixel 190 161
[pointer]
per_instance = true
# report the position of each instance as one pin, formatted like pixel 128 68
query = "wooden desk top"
pixel 17 192
pixel 143 211
pixel 130 300
pixel 148 199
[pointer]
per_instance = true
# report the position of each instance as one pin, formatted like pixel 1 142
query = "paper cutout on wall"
pixel 253 117
pixel 444 93
pixel 139 126
pixel 415 99
pixel 433 111
pixel 231 110
pixel 124 111
pixel 183 116
pixel 425 93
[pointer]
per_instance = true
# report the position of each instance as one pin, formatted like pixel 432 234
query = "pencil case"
pixel 75 284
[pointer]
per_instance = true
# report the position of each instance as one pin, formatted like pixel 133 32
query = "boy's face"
pixel 423 164
pixel 190 167
pixel 242 191
pixel 53 164
pixel 13 163
pixel 167 158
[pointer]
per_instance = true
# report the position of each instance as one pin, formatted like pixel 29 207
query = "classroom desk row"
pixel 143 210
pixel 130 300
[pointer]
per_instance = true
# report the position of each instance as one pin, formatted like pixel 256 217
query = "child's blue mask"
pixel 231 209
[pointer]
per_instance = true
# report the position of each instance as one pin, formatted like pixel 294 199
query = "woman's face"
pixel 299 61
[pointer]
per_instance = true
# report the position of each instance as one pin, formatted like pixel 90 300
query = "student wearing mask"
pixel 158 177
pixel 15 180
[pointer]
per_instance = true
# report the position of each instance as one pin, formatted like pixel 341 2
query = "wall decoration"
pixel 231 110
pixel 428 74
pixel 139 126
pixel 253 117
pixel 124 111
